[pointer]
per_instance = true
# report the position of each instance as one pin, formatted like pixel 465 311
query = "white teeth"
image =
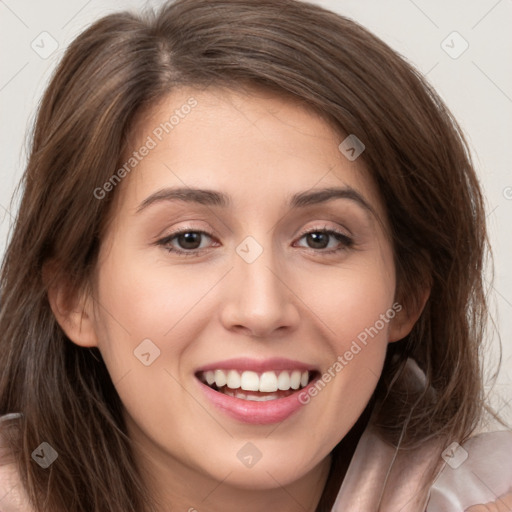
pixel 233 379
pixel 267 382
pixel 253 398
pixel 220 378
pixel 250 381
pixel 262 398
pixel 283 381
pixel 236 393
pixel 295 379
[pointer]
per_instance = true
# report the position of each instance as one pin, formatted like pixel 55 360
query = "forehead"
pixel 246 143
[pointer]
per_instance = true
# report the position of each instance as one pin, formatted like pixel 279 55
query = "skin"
pixel 294 301
pixel 502 504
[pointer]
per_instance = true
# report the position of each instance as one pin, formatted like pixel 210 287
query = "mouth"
pixel 257 386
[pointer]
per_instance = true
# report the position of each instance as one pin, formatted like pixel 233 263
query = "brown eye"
pixel 189 240
pixel 317 240
pixel 322 239
pixel 186 242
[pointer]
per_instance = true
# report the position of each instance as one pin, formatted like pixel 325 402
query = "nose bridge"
pixel 255 268
pixel 257 299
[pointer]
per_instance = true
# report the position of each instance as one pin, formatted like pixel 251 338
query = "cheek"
pixel 146 300
pixel 351 300
pixel 137 313
pixel 133 306
pixel 140 301
pixel 359 318
pixel 356 307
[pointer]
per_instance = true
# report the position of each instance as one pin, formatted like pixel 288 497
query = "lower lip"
pixel 257 413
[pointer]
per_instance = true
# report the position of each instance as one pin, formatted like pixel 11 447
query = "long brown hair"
pixel 116 70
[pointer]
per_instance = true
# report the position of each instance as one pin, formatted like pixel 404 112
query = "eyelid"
pixel 165 241
pixel 325 227
pixel 347 241
pixel 178 232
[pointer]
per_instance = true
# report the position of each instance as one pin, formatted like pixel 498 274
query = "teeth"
pixel 233 379
pixel 253 398
pixel 249 381
pixel 220 378
pixel 267 382
pixel 283 381
pixel 295 379
pixel 210 377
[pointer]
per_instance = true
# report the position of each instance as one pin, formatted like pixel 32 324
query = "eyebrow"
pixel 214 198
pixel 189 195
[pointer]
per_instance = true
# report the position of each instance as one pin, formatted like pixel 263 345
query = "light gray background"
pixel 476 85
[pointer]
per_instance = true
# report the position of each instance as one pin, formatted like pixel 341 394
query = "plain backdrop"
pixel 463 47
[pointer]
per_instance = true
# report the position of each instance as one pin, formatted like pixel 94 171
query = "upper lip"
pixel 257 365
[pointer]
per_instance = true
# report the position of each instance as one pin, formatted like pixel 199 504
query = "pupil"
pixel 318 240
pixel 189 240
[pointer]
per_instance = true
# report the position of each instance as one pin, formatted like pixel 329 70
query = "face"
pixel 245 250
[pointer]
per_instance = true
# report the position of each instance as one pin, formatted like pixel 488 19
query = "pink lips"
pixel 257 365
pixel 257 413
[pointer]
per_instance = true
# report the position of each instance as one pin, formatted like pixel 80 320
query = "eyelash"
pixel 345 240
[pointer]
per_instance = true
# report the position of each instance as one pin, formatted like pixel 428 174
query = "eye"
pixel 187 241
pixel 322 239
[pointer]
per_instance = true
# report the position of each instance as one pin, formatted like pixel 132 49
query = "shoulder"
pixel 12 494
pixel 476 476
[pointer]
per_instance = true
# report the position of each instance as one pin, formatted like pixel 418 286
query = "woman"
pixel 246 274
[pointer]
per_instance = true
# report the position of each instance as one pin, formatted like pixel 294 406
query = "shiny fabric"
pixel 380 479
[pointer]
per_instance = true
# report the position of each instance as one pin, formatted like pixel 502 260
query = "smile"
pixel 258 392
pixel 250 385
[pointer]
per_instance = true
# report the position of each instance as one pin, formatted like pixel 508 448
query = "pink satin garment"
pixel 380 479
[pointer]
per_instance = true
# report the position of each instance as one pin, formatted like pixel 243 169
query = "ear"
pixel 403 322
pixel 73 310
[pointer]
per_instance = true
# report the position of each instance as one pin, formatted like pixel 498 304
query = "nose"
pixel 259 302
